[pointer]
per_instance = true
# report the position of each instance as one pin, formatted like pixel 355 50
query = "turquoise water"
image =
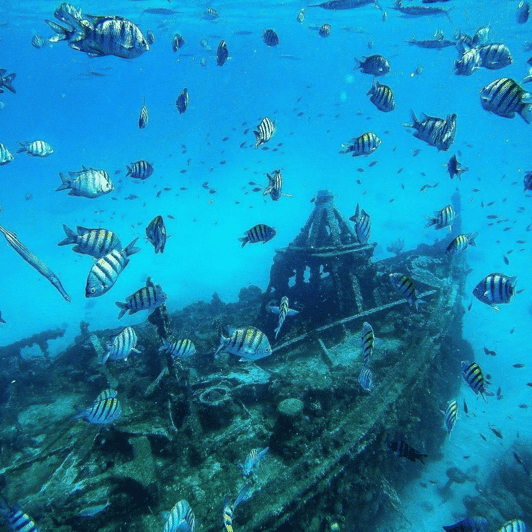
pixel 92 120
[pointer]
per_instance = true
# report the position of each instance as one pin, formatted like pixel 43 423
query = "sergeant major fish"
pixel 468 62
pixel 474 377
pixel 461 242
pixel 177 42
pixel 402 449
pixel 230 507
pixel 495 288
pixel 222 53
pixel 270 37
pixel 93 242
pixel 37 148
pixel 181 518
pixel 209 14
pixel 120 346
pixel 455 169
pixel 87 183
pixel 5 155
pixel 368 342
pixel 365 379
pixel 437 132
pixel 450 415
pixel 406 288
pixel 283 310
pixel 471 524
pixel 275 186
pixel 140 170
pixel 514 525
pixel 494 56
pixel 246 342
pixel 264 132
pixel 98 36
pixel 101 412
pixel 504 97
pixel 258 233
pixel 381 96
pixel 146 298
pixel 376 65
pixel 16 519
pixel 156 233
pixel 362 222
pixel 252 461
pixel 365 144
pixel 105 272
pixel 143 116
pixel 182 348
pixel 442 218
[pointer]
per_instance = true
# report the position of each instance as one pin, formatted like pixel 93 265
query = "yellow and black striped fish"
pixel 101 412
pixel 94 242
pixel 461 242
pixel 504 97
pixel 230 507
pixel 442 218
pixel 405 286
pixel 222 53
pixel 474 377
pixel 368 342
pixel 146 298
pixel 381 96
pixel 182 348
pixel 258 233
pixel 495 288
pixel 450 415
pixel 363 145
pixel 246 342
pixel 264 132
pixel 143 117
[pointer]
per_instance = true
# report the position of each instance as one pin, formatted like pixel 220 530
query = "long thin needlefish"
pixel 31 259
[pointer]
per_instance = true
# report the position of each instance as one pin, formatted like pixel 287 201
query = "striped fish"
pixel 376 65
pixel 270 37
pixel 106 394
pixel 100 36
pixel 455 168
pixel 515 525
pixel 16 519
pixel 140 170
pixel 450 415
pixel 495 288
pixel 474 377
pixel 5 155
pixel 93 242
pixel 222 53
pixel 527 181
pixel 283 310
pixel 325 30
pixel 403 450
pixel 179 348
pixel 275 186
pixel 494 56
pixel 156 233
pixel 246 342
pixel 37 148
pixel 365 379
pixel 258 233
pixel 146 298
pixel 437 132
pixel 209 14
pixel 471 524
pixel 366 144
pixel 143 117
pixel 368 342
pixel 180 519
pixel 504 97
pixel 405 286
pixel 461 242
pixel 87 183
pixel 230 507
pixel 468 62
pixel 121 345
pixel 381 96
pixel 442 218
pixel 104 272
pixel 182 101
pixel 522 12
pixel 252 460
pixel 177 42
pixel 362 225
pixel 101 412
pixel 264 132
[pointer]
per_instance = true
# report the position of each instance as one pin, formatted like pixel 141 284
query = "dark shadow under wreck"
pixel 186 424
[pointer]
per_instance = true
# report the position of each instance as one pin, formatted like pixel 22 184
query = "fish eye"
pixel 93 290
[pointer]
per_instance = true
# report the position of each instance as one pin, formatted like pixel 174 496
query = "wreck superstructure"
pixel 186 424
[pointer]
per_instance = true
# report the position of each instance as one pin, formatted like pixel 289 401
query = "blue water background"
pixel 92 121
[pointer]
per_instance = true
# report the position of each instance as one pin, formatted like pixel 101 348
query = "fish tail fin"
pixel 431 221
pixel 472 238
pixel 65 180
pixel 418 302
pixel 123 308
pixel 276 331
pixel 131 249
pixel 2 319
pixel 71 236
pixel 80 412
pixel 6 82
pixel 244 240
pixel 377 5
pixel 61 33
pixel 421 458
pixel 22 148
pixel 526 113
pixel 129 170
